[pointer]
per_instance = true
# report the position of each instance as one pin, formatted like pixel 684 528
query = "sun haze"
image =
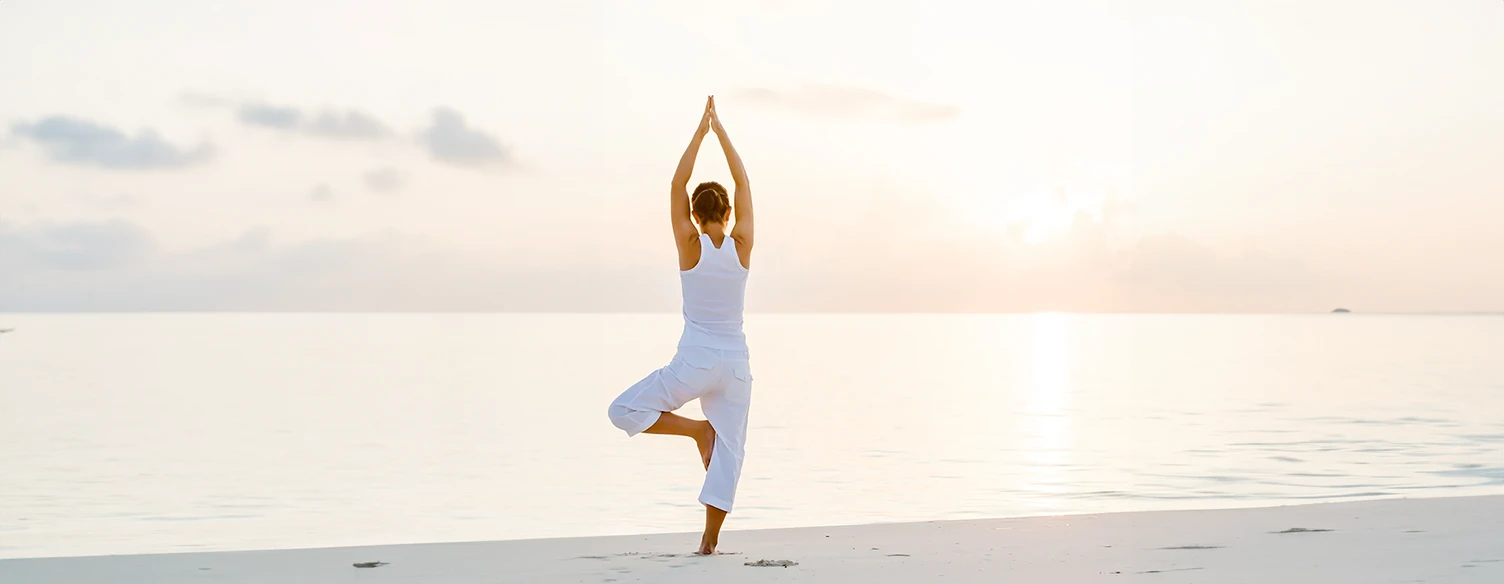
pixel 1078 155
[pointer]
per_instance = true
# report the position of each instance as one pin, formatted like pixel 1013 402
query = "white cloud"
pixel 75 141
pixel 348 124
pixel 113 267
pixel 450 139
pixel 65 266
pixel 70 246
pixel 382 180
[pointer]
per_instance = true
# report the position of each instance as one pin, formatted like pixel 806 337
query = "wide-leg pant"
pixel 722 381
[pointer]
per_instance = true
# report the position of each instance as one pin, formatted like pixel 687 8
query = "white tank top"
pixel 715 293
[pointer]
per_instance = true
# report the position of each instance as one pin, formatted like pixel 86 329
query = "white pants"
pixel 722 381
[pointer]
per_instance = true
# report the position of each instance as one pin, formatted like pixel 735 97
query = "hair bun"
pixel 710 208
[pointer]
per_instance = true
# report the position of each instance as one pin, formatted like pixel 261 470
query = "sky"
pixel 935 156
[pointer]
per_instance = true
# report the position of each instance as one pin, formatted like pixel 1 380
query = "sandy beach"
pixel 1404 540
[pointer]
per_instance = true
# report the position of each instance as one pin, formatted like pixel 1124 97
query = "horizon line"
pixel 776 312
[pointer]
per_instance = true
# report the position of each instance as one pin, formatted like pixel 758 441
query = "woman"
pixel 712 361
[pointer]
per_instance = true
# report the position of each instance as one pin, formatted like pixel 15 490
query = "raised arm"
pixel 741 203
pixel 678 205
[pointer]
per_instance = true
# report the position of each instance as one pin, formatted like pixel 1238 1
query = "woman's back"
pixel 714 292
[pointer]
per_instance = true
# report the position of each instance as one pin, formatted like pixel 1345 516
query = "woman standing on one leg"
pixel 712 361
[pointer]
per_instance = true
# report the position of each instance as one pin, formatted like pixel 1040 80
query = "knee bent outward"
pixel 631 421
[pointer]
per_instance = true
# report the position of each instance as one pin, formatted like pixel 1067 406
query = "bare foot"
pixel 707 546
pixel 706 441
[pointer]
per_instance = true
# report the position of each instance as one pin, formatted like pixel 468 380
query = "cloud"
pixel 449 139
pixel 75 141
pixel 83 245
pixel 835 100
pixel 72 266
pixel 1088 267
pixel 321 193
pixel 1172 273
pixel 271 116
pixel 1096 263
pixel 382 180
pixel 253 271
pixel 348 124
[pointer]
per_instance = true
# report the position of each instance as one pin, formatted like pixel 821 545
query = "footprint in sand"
pixel 772 563
pixel 1172 570
pixel 643 555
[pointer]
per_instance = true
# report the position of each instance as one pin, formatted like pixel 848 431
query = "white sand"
pixel 1415 540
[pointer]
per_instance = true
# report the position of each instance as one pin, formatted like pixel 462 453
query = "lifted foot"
pixel 705 440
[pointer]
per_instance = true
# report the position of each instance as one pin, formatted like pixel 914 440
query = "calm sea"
pixel 169 433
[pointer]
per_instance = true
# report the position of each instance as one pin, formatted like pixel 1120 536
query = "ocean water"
pixel 152 433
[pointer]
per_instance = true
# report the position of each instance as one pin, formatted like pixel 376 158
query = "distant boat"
pixel 1341 310
pixel 3 331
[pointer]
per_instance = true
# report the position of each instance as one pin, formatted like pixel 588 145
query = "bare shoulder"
pixel 744 249
pixel 689 252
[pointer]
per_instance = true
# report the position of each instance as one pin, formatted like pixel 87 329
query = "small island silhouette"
pixel 1341 310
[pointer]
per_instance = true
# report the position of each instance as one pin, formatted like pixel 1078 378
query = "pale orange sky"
pixel 1077 155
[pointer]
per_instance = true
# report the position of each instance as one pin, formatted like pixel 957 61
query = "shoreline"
pixel 1453 539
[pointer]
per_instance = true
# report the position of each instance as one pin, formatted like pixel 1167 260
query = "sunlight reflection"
pixel 1048 424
